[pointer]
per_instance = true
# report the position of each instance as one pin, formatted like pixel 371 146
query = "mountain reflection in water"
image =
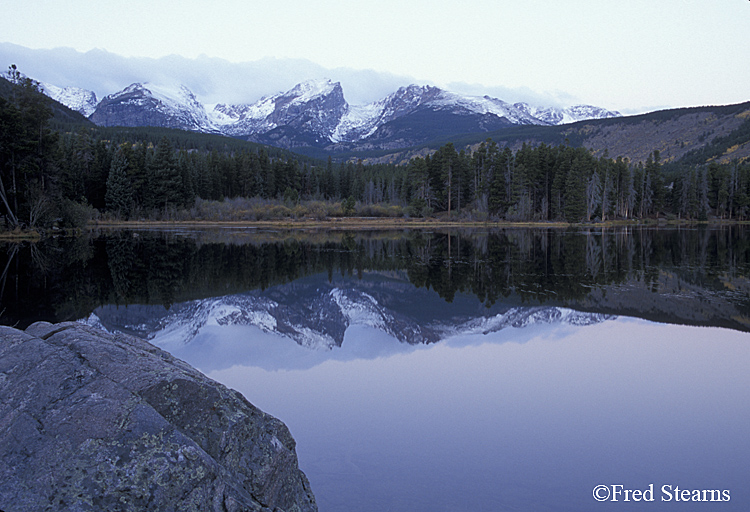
pixel 696 276
pixel 445 370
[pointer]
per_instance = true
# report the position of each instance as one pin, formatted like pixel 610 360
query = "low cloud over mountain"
pixel 216 80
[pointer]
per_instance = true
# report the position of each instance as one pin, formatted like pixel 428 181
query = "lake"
pixel 448 370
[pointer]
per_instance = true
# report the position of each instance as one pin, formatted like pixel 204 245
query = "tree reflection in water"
pixel 686 275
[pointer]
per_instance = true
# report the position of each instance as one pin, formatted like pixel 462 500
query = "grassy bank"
pixel 355 223
pixel 347 223
pixel 19 235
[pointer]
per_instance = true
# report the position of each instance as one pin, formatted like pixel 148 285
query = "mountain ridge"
pixel 414 121
pixel 315 113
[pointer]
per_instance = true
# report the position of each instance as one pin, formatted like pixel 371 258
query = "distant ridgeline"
pixel 695 276
pixel 56 168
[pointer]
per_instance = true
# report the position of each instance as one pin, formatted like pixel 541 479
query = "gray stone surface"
pixel 94 421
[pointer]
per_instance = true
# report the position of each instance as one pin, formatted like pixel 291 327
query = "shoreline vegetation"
pixel 354 223
pixel 348 224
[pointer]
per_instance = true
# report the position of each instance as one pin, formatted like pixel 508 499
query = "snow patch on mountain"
pixel 310 90
pixel 358 122
pixel 148 104
pixel 314 109
pixel 180 101
pixel 93 320
pixel 244 119
pixel 316 105
pixel 558 116
pixel 75 98
pixel 484 105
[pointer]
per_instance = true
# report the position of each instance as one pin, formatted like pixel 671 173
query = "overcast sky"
pixel 627 55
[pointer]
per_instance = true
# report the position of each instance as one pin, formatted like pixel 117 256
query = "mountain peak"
pixel 313 88
pixel 148 104
pixel 315 113
pixel 566 115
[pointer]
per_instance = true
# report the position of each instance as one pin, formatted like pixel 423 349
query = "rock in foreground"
pixel 93 421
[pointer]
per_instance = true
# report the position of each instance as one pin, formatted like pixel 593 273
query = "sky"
pixel 627 55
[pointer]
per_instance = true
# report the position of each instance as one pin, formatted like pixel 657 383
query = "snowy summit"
pixel 315 113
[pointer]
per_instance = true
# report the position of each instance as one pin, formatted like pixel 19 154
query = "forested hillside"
pixel 56 169
pixel 686 135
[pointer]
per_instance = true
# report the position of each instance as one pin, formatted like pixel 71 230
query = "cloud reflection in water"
pixel 531 418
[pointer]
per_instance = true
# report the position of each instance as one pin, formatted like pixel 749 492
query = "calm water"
pixel 448 371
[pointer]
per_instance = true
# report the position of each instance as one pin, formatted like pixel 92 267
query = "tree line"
pixel 564 183
pixel 49 177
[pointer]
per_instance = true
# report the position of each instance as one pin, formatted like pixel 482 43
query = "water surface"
pixel 446 370
pixel 524 419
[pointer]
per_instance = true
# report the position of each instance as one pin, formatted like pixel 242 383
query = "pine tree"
pixel 655 182
pixel 8 132
pixel 419 185
pixel 497 184
pixel 137 157
pixel 447 170
pixel 575 187
pixel 562 166
pixel 166 182
pixel 593 195
pixel 119 195
pixel 26 144
pixel 628 189
pixel 188 188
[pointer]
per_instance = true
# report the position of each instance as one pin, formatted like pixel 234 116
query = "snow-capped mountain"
pixel 360 122
pixel 315 113
pixel 153 105
pixel 556 116
pixel 311 109
pixel 317 104
pixel 75 98
pixel 82 101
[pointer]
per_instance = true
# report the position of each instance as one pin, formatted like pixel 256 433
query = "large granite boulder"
pixel 91 421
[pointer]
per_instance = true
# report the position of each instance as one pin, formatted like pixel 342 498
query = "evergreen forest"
pixel 64 174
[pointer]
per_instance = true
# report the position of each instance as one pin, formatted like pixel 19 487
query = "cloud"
pixel 96 70
pixel 213 80
pixel 367 86
pixel 517 94
pixel 216 80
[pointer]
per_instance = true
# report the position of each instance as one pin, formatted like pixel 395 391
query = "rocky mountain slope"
pixel 674 133
pixel 558 116
pixel 93 421
pixel 314 118
pixel 150 105
pixel 75 98
pixel 697 135
pixel 316 114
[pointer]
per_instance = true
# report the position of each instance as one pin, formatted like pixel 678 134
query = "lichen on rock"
pixel 96 421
